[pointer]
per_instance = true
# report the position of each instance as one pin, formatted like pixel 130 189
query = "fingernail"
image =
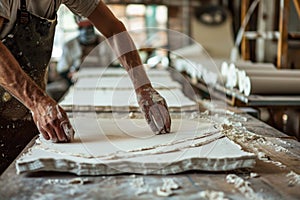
pixel 54 140
pixel 162 131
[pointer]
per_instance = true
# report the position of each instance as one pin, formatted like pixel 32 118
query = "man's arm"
pixel 152 104
pixel 50 119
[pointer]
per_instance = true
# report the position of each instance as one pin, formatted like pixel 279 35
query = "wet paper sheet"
pixel 120 100
pixel 116 72
pixel 123 82
pixel 114 146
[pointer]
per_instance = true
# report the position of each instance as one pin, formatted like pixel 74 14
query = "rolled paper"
pixel 241 79
pixel 192 69
pixel 179 65
pixel 238 66
pixel 258 66
pixel 247 86
pixel 199 71
pixel 212 66
pixel 209 77
pixel 274 73
pixel 231 80
pixel 271 85
pixel 224 71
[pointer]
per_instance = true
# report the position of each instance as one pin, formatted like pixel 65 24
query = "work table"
pixel 278 156
pixel 275 175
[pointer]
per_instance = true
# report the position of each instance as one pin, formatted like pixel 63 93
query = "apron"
pixel 30 42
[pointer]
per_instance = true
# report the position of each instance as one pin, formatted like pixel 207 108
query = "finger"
pixel 59 112
pixel 164 112
pixel 145 111
pixel 51 133
pixel 152 124
pixel 157 118
pixel 68 130
pixel 44 133
pixel 59 132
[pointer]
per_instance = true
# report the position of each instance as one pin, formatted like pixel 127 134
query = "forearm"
pixel 17 82
pixel 121 43
pixel 126 51
pixel 130 59
pixel 152 104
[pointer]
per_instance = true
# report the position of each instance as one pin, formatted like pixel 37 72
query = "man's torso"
pixel 42 8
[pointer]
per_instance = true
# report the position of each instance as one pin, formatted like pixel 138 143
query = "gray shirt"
pixel 42 8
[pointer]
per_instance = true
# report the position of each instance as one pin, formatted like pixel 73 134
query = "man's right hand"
pixel 53 122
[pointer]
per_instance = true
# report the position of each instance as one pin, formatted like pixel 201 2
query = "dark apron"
pixel 30 42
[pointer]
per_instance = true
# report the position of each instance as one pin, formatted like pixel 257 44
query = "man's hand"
pixel 155 109
pixel 53 122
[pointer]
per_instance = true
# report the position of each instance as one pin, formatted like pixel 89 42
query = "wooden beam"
pixel 245 48
pixel 297 6
pixel 282 49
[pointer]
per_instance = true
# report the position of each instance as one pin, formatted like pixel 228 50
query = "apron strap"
pixel 24 17
pixel 55 5
pixel 23 5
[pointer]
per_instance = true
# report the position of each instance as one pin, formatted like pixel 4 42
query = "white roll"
pixel 231 80
pixel 180 65
pixel 224 69
pixel 241 79
pixel 271 85
pixel 247 86
pixel 274 73
pixel 193 70
pixel 199 71
pixel 256 66
pixel 222 76
pixel 209 77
